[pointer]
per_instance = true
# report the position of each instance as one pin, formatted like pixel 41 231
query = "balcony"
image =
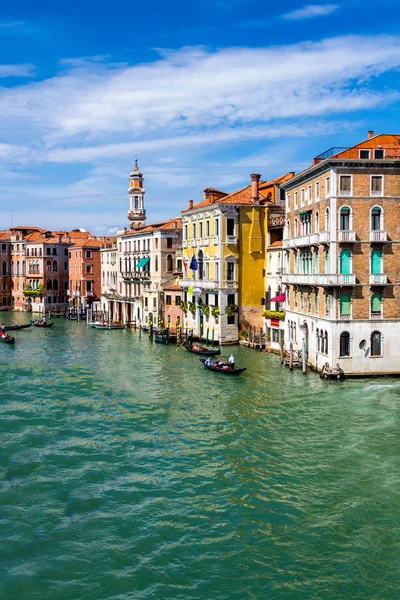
pixel 346 235
pixel 376 316
pixel 230 284
pixel 322 279
pixel 314 239
pixel 184 244
pixel 231 240
pixel 345 317
pixel 377 236
pixel 206 241
pixel 324 237
pixel 215 240
pixel 377 279
pixel 303 240
pixel 193 243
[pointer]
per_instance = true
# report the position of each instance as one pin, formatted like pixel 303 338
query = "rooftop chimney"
pixel 175 225
pixel 370 134
pixel 190 204
pixel 255 178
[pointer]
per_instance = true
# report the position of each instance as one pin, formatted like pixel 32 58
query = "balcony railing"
pixel 346 235
pixel 314 239
pixel 376 316
pixel 377 236
pixel 377 278
pixel 184 243
pixel 345 317
pixel 231 239
pixel 324 237
pixel 344 192
pixel 215 240
pixel 323 279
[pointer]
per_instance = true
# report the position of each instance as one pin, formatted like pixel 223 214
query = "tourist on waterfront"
pixel 232 361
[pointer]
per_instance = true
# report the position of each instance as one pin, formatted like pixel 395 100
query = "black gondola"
pixel 41 324
pixel 7 339
pixel 226 371
pixel 15 327
pixel 204 351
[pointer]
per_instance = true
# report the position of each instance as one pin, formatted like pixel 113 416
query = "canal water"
pixel 128 471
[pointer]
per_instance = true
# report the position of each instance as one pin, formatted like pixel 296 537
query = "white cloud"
pixel 17 70
pixel 310 11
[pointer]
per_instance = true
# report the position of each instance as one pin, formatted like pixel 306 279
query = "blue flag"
pixel 194 265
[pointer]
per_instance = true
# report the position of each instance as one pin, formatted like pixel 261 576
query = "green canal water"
pixel 128 471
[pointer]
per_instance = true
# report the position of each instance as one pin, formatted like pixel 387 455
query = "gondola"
pixel 225 371
pixel 111 326
pixel 41 324
pixel 15 327
pixel 204 351
pixel 9 339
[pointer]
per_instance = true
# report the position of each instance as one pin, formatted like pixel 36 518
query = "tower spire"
pixel 136 213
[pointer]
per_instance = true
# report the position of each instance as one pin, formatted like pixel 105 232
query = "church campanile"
pixel 136 213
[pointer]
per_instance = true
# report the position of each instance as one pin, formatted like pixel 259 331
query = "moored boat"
pixel 42 324
pixel 15 327
pixel 226 369
pixel 199 349
pixel 103 326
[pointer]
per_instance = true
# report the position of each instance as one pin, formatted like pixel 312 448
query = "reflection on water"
pixel 129 471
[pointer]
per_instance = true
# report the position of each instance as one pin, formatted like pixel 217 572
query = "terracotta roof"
pixel 169 225
pixel 276 244
pixel 242 196
pixel 5 235
pixel 38 237
pixel 30 227
pixel 174 287
pixel 172 224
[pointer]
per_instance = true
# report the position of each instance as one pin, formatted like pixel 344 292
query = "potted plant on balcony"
pixel 205 310
pixel 231 310
pixel 192 307
pixel 274 314
pixel 215 313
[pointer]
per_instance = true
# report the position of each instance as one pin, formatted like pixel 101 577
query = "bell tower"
pixel 136 213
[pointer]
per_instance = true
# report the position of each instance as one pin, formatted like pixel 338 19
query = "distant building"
pixel 5 270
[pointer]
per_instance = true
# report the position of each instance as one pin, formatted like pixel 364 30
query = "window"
pixel 154 303
pixel 302 197
pixel 88 254
pixel 207 228
pixel 168 300
pixel 177 300
pixel 216 227
pixel 179 265
pixel 325 343
pixel 156 263
pixel 376 343
pixel 185 232
pixel 287 202
pixel 231 319
pixel 296 233
pixel 170 263
pixel 376 185
pixel 296 194
pixel 376 306
pixel 89 286
pixel 146 303
pixel 345 185
pixel 376 214
pixel 316 222
pixel 89 269
pixel 345 262
pixel 194 230
pixel 275 335
pixel 345 218
pixel 55 252
pixel 317 190
pixel 169 242
pixel 48 251
pixel 344 346
pixel 55 285
pixel 309 194
pixel 55 265
pixel 230 227
pixel 327 220
pixel 364 153
pixel 345 306
pixel 230 271
pixel 200 230
pixel 327 186
pixel 216 271
pixel 379 153
pixel 376 261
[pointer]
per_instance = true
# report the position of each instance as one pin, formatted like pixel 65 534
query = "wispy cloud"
pixel 12 24
pixel 17 70
pixel 310 11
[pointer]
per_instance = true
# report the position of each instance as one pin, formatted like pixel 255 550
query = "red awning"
pixel 281 298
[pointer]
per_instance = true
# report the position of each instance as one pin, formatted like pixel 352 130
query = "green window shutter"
pixel 345 262
pixel 376 261
pixel 345 304
pixel 376 303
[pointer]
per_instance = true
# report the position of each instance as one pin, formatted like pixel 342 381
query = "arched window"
pixel 327 220
pixel 345 262
pixel 48 264
pixel 156 263
pixel 376 219
pixel 170 263
pixel 49 284
pixel 316 222
pixel 376 343
pixel 296 231
pixel 317 339
pixel 55 285
pixel 287 229
pixel 344 218
pixel 17 267
pixel 23 268
pixel 376 306
pixel 12 267
pixel 376 261
pixel 55 266
pixel 4 268
pixel 294 332
pixel 344 346
pixel 345 305
pixel 326 342
pixel 200 260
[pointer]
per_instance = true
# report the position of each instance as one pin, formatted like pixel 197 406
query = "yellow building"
pixel 225 237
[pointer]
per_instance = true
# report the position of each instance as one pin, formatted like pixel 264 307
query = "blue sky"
pixel 203 93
